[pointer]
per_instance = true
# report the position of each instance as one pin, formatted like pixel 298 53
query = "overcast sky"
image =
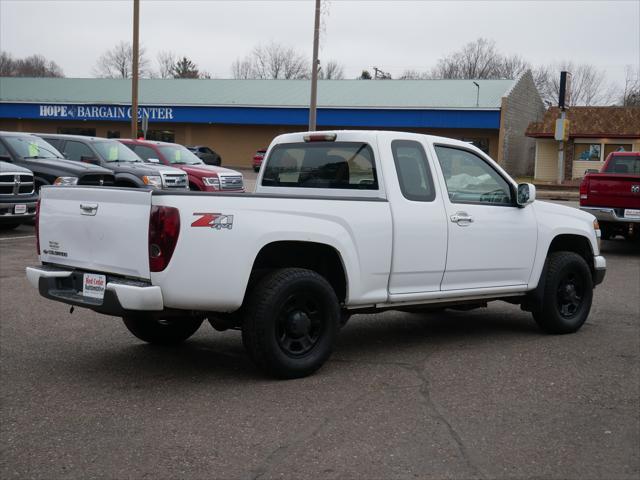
pixel 392 35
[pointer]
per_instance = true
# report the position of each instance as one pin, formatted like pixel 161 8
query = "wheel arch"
pixel 321 258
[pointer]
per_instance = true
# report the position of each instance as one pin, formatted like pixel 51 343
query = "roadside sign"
pixel 562 130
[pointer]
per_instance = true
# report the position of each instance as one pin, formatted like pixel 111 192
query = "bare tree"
pixel 365 75
pixel 242 69
pixel 331 71
pixel 512 66
pixel 7 64
pixel 413 75
pixel 588 84
pixel 117 62
pixel 32 66
pixel 478 59
pixel 166 61
pixel 272 61
pixel 631 91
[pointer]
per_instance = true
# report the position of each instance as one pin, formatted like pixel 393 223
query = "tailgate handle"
pixel 88 208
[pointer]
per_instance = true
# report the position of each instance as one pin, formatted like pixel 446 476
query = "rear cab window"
pixel 624 164
pixel 324 165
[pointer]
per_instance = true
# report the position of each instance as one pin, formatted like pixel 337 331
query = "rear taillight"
pixel 584 188
pixel 164 229
pixel 37 225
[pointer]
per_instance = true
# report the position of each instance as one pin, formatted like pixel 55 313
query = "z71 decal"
pixel 214 220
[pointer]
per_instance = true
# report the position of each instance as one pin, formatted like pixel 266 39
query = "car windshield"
pixel 30 146
pixel 624 164
pixel 114 151
pixel 179 155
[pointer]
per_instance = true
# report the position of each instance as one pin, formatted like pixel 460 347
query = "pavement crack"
pixel 279 454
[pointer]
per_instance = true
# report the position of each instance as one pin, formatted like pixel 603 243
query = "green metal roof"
pixel 401 94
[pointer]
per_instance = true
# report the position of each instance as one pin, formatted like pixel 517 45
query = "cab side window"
pixel 413 171
pixel 470 179
pixel 76 150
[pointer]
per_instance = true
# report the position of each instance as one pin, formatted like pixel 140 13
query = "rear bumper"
pixel 599 269
pixel 121 295
pixel 604 214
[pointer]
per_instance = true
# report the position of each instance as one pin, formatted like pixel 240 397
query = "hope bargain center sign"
pixel 102 112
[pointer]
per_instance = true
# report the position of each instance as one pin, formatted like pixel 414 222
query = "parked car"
pixel 205 154
pixel 203 177
pixel 18 195
pixel 47 163
pixel 128 168
pixel 613 195
pixel 341 222
pixel 257 159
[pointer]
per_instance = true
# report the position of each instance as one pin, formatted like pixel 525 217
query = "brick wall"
pixel 521 106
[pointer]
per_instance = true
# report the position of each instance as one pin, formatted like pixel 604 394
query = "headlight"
pixel 596 227
pixel 211 182
pixel 154 181
pixel 66 181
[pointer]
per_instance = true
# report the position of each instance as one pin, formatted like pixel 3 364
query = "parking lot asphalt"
pixel 479 394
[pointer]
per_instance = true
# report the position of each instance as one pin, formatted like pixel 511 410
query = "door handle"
pixel 88 208
pixel 461 218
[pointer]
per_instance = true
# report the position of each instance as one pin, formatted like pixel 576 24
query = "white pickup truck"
pixel 341 222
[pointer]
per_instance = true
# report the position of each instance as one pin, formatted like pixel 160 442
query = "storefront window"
pixel 615 147
pixel 162 135
pixel 587 151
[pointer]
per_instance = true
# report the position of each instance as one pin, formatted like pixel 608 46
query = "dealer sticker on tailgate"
pixel 93 285
pixel 631 213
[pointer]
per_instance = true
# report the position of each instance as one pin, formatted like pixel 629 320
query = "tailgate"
pixel 96 229
pixel 614 191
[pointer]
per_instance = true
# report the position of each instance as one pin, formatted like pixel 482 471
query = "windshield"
pixel 31 146
pixel 179 155
pixel 624 164
pixel 114 151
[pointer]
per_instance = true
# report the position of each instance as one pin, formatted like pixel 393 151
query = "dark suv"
pixel 47 164
pixel 205 154
pixel 128 168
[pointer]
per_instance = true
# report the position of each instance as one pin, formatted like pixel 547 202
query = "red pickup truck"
pixel 613 195
pixel 203 177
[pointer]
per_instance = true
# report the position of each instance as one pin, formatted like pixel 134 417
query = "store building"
pixel 594 132
pixel 237 117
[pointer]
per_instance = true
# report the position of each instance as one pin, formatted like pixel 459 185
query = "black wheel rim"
pixel 570 295
pixel 300 324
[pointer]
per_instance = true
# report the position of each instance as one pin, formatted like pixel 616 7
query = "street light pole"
pixel 134 69
pixel 314 70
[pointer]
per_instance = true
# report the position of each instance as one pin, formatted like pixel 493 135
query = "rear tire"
pixel 162 332
pixel 568 293
pixel 291 322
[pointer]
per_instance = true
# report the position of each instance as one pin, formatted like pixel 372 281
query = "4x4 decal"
pixel 214 220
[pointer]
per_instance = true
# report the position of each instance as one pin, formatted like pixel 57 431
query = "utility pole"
pixel 314 70
pixel 562 124
pixel 134 69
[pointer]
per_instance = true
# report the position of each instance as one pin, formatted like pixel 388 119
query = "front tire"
pixel 162 332
pixel 291 322
pixel 568 293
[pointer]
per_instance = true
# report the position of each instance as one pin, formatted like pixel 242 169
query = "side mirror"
pixel 526 194
pixel 153 160
pixel 5 158
pixel 92 160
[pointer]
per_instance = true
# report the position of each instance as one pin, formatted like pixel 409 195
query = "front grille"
pixel 99 180
pixel 231 182
pixel 16 184
pixel 175 181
